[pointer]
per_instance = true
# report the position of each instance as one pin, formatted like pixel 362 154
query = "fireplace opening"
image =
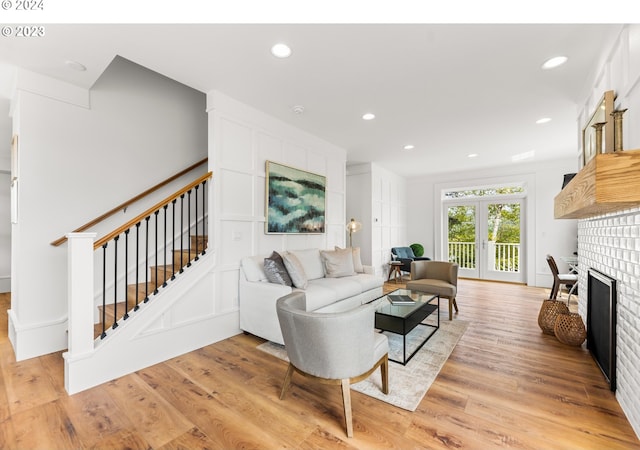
pixel 601 323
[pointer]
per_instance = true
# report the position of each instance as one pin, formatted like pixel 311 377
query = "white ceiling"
pixel 450 90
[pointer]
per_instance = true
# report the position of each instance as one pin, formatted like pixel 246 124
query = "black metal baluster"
pixel 115 282
pixel 181 233
pixel 204 231
pixel 126 275
pixel 196 220
pixel 189 225
pixel 173 239
pixel 146 261
pixel 135 308
pixel 164 246
pixel 104 290
pixel 155 289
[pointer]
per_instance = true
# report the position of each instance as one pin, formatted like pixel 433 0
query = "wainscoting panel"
pixel 235 240
pixel 226 289
pixel 237 193
pixel 236 141
pixel 269 148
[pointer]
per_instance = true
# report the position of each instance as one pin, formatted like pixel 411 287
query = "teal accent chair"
pixel 406 256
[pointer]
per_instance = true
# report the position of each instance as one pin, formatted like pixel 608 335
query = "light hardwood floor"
pixel 506 385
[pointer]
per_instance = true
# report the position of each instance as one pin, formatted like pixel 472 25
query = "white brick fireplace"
pixel 611 245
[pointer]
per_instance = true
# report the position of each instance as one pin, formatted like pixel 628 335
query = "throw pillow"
pixel 311 262
pixel 276 271
pixel 338 263
pixel 357 261
pixel 295 269
pixel 253 267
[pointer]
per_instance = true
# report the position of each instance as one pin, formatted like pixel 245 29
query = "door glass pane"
pixel 484 192
pixel 462 235
pixel 503 229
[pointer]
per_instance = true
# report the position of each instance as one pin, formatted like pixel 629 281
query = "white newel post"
pixel 80 285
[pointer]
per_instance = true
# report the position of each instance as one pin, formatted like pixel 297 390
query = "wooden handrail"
pixel 111 212
pixel 140 217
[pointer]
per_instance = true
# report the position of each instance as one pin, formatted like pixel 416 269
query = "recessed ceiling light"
pixel 554 62
pixel 543 120
pixel 522 156
pixel 75 65
pixel 281 51
pixel 368 116
pixel 472 155
pixel 409 147
pixel 298 109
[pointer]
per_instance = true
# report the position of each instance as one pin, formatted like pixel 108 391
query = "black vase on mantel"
pixel 567 177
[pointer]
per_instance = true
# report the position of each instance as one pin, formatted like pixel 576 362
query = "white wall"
pixel 360 207
pixel 241 140
pixel 377 198
pixel 5 232
pixel 544 233
pixel 5 180
pixel 81 154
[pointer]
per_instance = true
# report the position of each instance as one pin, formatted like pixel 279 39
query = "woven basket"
pixel 569 329
pixel 548 313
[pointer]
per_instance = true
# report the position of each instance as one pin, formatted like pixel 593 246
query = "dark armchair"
pixel 406 256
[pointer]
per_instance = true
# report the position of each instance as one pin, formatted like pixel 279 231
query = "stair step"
pixel 201 241
pixel 163 273
pixel 109 312
pixel 185 256
pixel 140 289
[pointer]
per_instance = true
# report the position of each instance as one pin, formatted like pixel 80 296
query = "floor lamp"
pixel 353 226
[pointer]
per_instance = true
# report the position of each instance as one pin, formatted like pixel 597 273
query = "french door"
pixel 485 238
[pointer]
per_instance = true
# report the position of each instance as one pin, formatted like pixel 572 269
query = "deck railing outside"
pixel 506 256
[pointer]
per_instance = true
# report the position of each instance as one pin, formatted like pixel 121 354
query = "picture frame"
pixel 602 114
pixel 295 200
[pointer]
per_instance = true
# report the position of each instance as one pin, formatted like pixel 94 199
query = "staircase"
pixel 159 277
pixel 128 272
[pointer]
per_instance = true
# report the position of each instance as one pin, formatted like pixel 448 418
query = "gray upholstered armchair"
pixel 436 277
pixel 332 348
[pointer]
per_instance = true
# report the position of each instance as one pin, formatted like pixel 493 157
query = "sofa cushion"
pixel 317 296
pixel 253 267
pixel 276 271
pixel 338 263
pixel 344 287
pixel 295 269
pixel 432 286
pixel 311 262
pixel 367 281
pixel 357 261
pixel 324 291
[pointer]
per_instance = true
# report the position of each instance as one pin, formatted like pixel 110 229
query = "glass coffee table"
pixel 408 310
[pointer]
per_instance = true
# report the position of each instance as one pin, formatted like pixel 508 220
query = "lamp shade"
pixel 353 226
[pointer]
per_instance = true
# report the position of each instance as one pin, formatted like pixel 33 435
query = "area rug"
pixel 407 384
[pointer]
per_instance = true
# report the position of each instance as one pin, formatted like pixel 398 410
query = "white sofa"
pixel 258 296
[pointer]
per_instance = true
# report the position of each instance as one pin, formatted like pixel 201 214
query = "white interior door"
pixel 485 238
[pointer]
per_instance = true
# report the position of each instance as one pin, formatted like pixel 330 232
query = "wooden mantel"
pixel 610 182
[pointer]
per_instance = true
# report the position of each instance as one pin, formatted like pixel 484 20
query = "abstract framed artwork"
pixel 295 200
